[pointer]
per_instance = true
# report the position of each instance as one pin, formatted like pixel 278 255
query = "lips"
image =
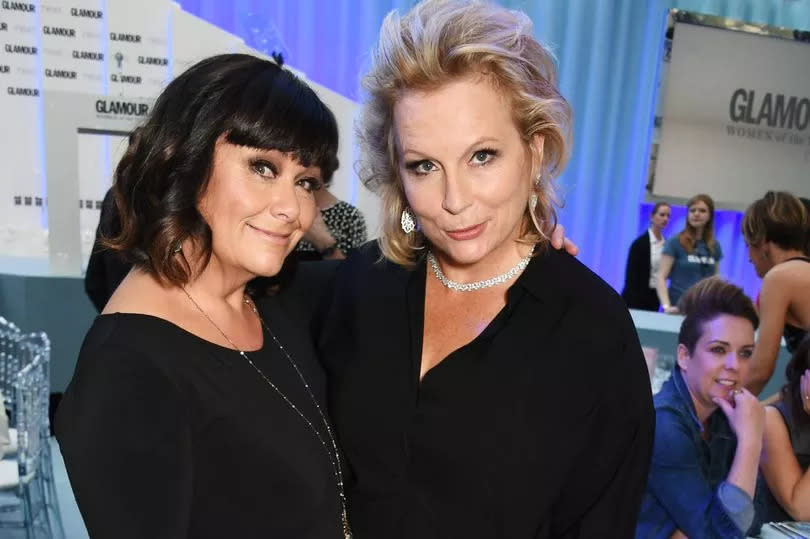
pixel 726 382
pixel 280 238
pixel 469 233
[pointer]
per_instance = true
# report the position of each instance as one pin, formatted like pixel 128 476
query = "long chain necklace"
pixel 477 285
pixel 334 455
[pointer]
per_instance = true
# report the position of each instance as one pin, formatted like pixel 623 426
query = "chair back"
pixel 10 361
pixel 30 391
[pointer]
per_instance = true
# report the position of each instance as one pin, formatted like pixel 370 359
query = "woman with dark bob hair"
pixel 191 414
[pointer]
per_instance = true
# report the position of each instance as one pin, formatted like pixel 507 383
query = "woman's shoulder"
pixel 673 244
pixel 570 277
pixel 131 341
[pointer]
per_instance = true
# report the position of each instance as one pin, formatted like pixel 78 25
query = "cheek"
pixel 423 197
pixel 307 212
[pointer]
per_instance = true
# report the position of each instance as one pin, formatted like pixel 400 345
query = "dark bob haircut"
pixel 705 301
pixel 167 166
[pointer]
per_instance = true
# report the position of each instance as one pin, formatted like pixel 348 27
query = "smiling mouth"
pixel 467 233
pixel 274 237
pixel 725 382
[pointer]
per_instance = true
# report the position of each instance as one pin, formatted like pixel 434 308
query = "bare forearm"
pixel 663 293
pixel 760 370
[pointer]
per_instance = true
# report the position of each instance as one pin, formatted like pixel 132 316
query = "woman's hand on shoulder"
pixel 559 241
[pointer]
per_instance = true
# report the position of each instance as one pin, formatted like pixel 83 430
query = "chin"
pixel 464 255
pixel 265 267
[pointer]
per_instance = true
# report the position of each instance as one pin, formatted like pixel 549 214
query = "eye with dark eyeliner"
pixel 263 167
pixel 717 350
pixel 419 167
pixel 483 157
pixel 310 184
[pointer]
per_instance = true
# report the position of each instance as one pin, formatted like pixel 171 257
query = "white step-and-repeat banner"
pixel 77 76
pixel 736 116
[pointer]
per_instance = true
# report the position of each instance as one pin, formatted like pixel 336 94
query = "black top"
pixel 768 509
pixel 166 435
pixel 637 293
pixel 540 427
pixel 106 268
pixel 794 335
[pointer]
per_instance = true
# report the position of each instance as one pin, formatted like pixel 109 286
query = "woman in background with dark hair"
pixel 690 256
pixel 643 260
pixel 190 414
pixel 708 429
pixel 337 230
pixel 786 446
pixel 775 228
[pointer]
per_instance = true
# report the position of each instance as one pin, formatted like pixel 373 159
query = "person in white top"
pixel 643 261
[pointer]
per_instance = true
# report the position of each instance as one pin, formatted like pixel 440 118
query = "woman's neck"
pixel 779 255
pixel 657 232
pixel 495 263
pixel 215 282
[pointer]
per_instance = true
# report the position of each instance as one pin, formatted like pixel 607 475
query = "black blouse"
pixel 540 427
pixel 166 435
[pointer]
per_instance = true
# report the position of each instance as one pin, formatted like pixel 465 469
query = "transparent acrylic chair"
pixel 10 360
pixel 30 476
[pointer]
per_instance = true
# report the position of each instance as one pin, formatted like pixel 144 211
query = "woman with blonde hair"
pixel 690 256
pixel 775 228
pixel 483 384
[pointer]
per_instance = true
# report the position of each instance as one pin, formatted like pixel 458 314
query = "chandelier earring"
pixel 533 202
pixel 407 221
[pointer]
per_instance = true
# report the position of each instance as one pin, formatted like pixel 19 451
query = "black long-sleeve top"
pixel 540 427
pixel 168 436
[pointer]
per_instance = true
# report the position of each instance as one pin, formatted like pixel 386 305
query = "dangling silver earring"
pixel 532 202
pixel 407 221
pixel 178 247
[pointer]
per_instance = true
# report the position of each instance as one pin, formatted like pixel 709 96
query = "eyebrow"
pixel 479 141
pixel 725 343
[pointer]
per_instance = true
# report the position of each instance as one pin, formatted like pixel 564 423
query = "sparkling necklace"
pixel 334 455
pixel 477 285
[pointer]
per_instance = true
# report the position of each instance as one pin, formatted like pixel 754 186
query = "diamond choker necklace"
pixel 477 285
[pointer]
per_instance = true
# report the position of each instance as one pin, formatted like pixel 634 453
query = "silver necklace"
pixel 477 285
pixel 334 455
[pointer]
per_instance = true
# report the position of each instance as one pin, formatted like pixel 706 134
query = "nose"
pixel 284 204
pixel 456 193
pixel 732 362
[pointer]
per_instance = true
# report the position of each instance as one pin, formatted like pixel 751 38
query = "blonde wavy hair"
pixel 440 41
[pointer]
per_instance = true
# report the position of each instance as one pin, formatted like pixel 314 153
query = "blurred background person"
pixel 643 260
pixel 785 492
pixel 708 428
pixel 691 255
pixel 775 229
pixel 338 229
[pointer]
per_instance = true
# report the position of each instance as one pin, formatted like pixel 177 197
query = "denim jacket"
pixel 686 487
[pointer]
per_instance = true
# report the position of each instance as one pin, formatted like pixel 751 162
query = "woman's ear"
pixel 683 357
